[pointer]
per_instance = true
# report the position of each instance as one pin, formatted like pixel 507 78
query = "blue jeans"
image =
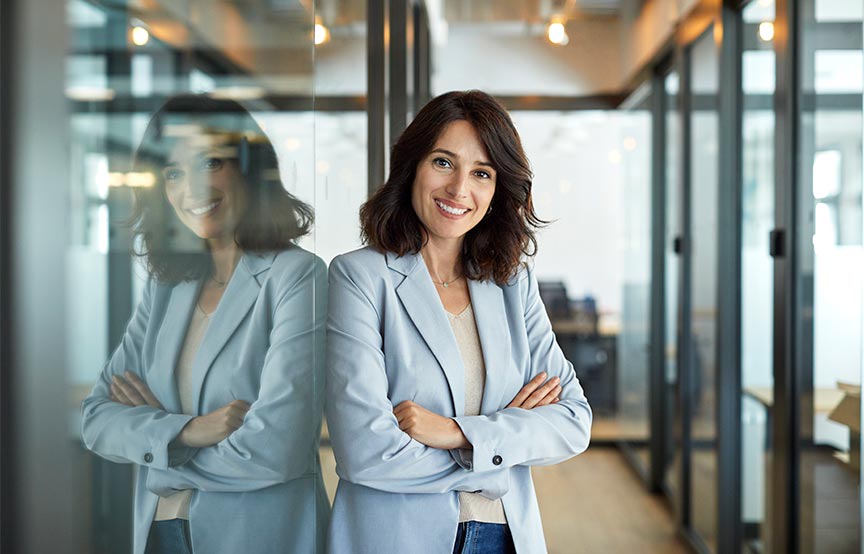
pixel 475 537
pixel 169 537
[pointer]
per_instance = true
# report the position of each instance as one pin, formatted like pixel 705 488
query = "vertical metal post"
pixel 657 372
pixel 786 416
pixel 728 362
pixel 376 104
pixel 398 67
pixel 8 524
pixel 422 59
pixel 33 82
pixel 684 339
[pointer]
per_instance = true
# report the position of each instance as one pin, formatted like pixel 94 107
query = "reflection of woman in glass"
pixel 213 391
pixel 445 382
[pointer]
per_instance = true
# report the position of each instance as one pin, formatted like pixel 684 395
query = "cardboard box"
pixel 848 413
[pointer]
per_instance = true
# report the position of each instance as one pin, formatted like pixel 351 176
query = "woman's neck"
pixel 443 258
pixel 225 257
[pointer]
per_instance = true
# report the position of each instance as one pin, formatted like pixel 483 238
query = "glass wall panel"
pixel 757 268
pixel 595 284
pixel 194 177
pixel 703 150
pixel 831 273
pixel 672 234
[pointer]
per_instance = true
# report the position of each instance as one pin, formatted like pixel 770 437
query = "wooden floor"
pixel 595 503
pixel 592 503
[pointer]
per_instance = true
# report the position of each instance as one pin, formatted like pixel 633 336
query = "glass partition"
pixel 757 269
pixel 191 124
pixel 703 182
pixel 830 276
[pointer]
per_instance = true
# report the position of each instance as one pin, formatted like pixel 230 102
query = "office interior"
pixel 700 163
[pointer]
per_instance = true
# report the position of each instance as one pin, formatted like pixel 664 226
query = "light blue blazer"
pixel 260 490
pixel 389 340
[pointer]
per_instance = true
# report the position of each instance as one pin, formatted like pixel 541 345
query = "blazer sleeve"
pixel 125 434
pixel 279 437
pixel 541 436
pixel 370 448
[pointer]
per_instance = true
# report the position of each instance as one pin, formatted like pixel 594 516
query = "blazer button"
pixel 148 457
pixel 497 460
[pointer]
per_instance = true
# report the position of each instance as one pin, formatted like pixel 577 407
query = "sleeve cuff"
pixel 484 453
pixel 159 455
pixel 464 457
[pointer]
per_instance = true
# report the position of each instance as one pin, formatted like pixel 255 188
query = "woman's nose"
pixel 197 183
pixel 458 186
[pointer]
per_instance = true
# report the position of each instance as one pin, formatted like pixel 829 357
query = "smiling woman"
pixel 215 391
pixel 444 379
pixel 209 154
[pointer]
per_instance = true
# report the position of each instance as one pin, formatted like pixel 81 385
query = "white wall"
pixel 516 59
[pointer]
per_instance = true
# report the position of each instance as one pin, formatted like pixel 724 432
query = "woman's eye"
pixel 441 162
pixel 482 174
pixel 212 164
pixel 172 175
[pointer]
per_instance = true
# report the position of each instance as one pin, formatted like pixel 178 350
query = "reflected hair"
pixel 273 220
pixel 497 246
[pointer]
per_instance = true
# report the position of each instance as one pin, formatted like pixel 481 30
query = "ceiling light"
pixel 140 36
pixel 238 93
pixel 90 94
pixel 322 33
pixel 556 33
pixel 766 31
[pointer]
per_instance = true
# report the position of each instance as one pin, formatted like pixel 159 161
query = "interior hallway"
pixel 593 503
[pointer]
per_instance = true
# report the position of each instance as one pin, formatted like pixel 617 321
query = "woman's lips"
pixel 451 211
pixel 205 209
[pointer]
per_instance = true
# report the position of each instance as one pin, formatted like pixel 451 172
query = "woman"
pixel 444 380
pixel 213 391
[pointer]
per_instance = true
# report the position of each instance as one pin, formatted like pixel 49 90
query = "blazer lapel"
pixel 172 334
pixel 487 301
pixel 238 299
pixel 423 305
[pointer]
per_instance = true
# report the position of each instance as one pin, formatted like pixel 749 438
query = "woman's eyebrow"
pixel 455 155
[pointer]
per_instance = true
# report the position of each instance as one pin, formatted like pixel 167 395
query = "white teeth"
pixel 449 210
pixel 204 209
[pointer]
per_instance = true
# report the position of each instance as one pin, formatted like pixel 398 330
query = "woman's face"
pixel 205 187
pixel 453 184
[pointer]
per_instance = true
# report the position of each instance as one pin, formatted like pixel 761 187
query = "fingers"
pixel 527 389
pixel 118 396
pixel 143 390
pixel 235 413
pixel 128 391
pixel 539 394
pixel 550 398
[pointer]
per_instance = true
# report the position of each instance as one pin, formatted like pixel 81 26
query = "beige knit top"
pixel 176 506
pixel 473 506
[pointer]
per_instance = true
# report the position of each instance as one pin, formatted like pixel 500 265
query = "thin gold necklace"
pixel 446 284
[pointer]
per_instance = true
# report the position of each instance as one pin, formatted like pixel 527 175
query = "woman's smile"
pixel 450 209
pixel 202 210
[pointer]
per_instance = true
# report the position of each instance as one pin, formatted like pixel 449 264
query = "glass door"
pixel 701 351
pixel 757 271
pixel 829 273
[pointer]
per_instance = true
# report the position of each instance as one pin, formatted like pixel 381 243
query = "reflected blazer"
pixel 389 340
pixel 260 490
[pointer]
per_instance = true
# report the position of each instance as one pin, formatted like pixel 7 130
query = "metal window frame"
pixel 729 277
pixel 8 497
pixel 785 470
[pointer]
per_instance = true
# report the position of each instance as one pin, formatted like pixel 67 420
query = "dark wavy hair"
pixel 273 220
pixel 498 245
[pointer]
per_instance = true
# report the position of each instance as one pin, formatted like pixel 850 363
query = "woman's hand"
pixel 536 393
pixel 132 391
pixel 428 427
pixel 214 427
